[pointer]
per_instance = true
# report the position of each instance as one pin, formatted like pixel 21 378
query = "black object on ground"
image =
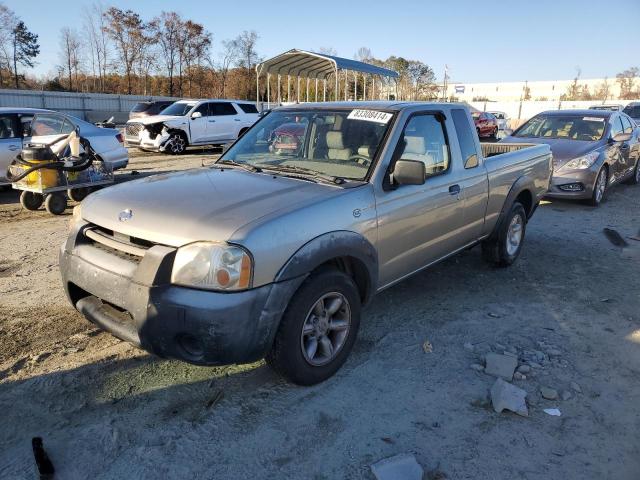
pixel 45 467
pixel 614 237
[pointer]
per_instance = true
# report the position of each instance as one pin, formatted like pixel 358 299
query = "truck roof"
pixel 393 105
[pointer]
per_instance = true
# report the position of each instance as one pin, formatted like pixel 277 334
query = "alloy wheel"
pixel 514 234
pixel 601 185
pixel 325 329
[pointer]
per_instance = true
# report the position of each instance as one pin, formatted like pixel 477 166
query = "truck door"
pixel 224 123
pixel 10 142
pixel 419 224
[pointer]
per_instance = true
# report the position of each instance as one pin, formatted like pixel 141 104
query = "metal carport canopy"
pixel 316 65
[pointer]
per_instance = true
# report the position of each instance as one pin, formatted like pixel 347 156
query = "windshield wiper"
pixel 245 166
pixel 306 172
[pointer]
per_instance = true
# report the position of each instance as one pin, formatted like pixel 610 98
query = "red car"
pixel 486 124
pixel 287 138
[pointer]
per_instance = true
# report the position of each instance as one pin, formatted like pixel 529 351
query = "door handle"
pixel 236 119
pixel 212 121
pixel 454 189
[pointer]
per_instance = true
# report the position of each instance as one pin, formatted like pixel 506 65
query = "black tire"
pixel 596 197
pixel 286 356
pixel 78 194
pixel 31 200
pixel 494 135
pixel 177 143
pixel 635 178
pixel 55 203
pixel 499 250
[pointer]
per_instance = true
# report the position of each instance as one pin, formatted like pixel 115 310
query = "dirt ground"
pixel 109 411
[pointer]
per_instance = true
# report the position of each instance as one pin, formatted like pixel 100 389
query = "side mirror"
pixel 409 172
pixel 195 115
pixel 621 137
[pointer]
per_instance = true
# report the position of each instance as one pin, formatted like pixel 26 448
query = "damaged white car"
pixel 191 122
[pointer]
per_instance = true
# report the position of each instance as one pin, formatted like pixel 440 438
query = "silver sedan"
pixel 20 126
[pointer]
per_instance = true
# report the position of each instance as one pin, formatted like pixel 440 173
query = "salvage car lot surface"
pixel 572 302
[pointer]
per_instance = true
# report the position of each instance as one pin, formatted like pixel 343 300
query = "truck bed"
pixel 506 164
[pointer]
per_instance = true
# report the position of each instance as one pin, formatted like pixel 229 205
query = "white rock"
pixel 505 396
pixel 399 467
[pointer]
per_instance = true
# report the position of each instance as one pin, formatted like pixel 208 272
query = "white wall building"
pixel 539 90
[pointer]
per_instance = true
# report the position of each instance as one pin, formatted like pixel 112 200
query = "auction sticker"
pixel 593 119
pixel 370 116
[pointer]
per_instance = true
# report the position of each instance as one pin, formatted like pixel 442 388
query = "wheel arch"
pixel 521 191
pixel 346 251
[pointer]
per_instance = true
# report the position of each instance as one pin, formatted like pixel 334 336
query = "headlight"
pixel 583 162
pixel 214 266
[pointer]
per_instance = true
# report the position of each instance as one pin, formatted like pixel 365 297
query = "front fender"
pixel 331 246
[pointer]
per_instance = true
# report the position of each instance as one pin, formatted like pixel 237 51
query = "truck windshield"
pixel 567 127
pixel 339 143
pixel 179 109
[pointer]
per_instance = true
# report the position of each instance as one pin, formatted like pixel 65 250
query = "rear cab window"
pixel 466 138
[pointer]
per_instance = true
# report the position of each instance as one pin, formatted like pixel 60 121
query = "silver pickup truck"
pixel 273 250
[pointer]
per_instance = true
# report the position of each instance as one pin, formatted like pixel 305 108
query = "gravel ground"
pixel 108 410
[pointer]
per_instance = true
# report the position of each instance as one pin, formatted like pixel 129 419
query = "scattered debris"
pixel 477 367
pixel 427 347
pixel 403 466
pixel 45 467
pixel 501 366
pixel 606 300
pixel 216 398
pixel 505 396
pixel 549 393
pixel 554 412
pixel 493 315
pixel 614 237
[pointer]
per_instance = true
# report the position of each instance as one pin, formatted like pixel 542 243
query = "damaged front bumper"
pixel 147 140
pixel 138 304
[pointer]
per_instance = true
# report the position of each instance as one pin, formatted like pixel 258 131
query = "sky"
pixel 479 40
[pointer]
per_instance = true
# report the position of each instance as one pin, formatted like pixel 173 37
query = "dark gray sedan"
pixel 592 150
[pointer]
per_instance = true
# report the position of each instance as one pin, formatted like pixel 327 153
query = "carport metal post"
pixel 268 91
pixel 337 85
pixel 364 88
pixel 346 81
pixel 288 88
pixel 324 90
pixel 355 86
pixel 316 89
pixel 279 99
pixel 298 93
pixel 307 95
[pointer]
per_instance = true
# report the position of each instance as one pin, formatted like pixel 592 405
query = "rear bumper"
pixel 139 305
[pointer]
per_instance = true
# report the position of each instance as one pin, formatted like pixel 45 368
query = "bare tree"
pixel 128 31
pixel 95 28
pixel 195 46
pixel 70 55
pixel 167 30
pixel 627 80
pixel 248 58
pixel 229 56
pixel 328 51
pixel 8 21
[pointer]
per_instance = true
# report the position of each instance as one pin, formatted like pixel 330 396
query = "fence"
pixel 92 107
pixel 519 112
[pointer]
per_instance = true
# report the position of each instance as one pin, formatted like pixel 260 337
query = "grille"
pixel 118 244
pixel 133 129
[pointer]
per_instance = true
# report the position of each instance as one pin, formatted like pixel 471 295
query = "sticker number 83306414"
pixel 370 116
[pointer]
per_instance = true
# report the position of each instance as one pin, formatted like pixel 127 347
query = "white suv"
pixel 191 122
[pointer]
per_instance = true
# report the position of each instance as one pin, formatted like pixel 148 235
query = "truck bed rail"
pixel 493 149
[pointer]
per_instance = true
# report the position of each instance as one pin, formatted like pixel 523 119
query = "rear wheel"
pixel 599 188
pixel 31 200
pixel 55 203
pixel 318 329
pixel 504 248
pixel 635 178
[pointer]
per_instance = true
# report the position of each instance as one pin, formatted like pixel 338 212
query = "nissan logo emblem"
pixel 125 215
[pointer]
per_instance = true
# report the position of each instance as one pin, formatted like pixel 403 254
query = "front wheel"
pixel 31 200
pixel 635 178
pixel 55 203
pixel 177 144
pixel 599 188
pixel 318 329
pixel 504 248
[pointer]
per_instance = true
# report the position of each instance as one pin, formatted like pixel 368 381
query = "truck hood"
pixel 562 150
pixel 158 119
pixel 203 204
